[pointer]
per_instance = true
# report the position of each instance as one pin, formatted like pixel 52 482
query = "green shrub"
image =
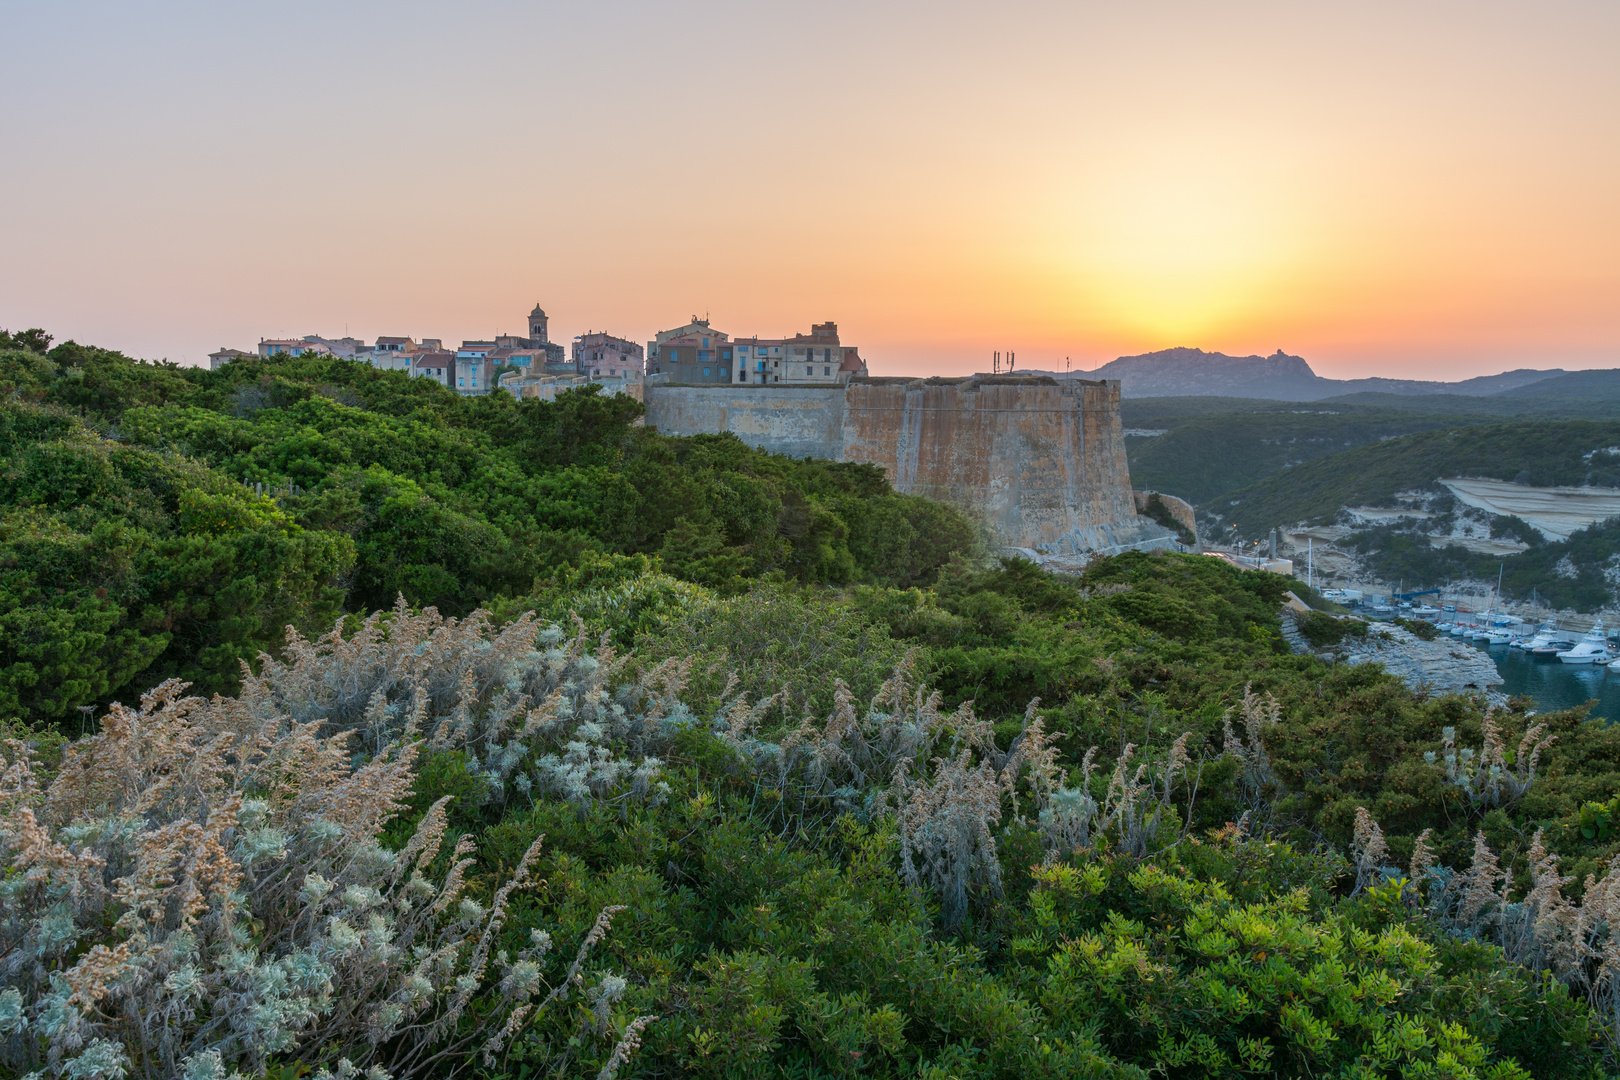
pixel 1426 631
pixel 1323 630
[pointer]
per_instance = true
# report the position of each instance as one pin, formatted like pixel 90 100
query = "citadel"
pixel 1040 460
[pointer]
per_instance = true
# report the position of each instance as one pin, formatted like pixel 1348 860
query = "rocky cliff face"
pixel 1442 666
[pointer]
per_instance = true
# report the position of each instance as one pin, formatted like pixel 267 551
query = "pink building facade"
pixel 599 354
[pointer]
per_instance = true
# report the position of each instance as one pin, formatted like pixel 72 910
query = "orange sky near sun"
pixel 1410 190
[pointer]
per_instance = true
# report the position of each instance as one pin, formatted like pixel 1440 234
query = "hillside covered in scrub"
pixel 1203 458
pixel 159 521
pixel 434 846
pixel 1207 447
pixel 1539 453
pixel 663 758
pixel 1421 539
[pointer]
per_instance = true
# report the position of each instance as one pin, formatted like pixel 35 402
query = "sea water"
pixel 1553 685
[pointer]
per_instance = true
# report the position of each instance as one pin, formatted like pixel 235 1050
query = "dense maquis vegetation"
pixel 955 817
pixel 165 522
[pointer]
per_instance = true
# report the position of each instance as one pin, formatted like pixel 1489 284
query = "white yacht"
pixel 1425 611
pixel 1543 636
pixel 1591 649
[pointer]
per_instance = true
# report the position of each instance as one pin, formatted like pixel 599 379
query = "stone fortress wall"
pixel 1042 460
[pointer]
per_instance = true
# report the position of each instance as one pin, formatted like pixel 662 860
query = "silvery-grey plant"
pixel 1492 777
pixel 201 888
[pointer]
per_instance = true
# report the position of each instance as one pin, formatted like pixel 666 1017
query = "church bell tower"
pixel 537 328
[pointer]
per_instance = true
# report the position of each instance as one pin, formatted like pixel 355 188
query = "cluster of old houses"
pixel 698 353
pixel 536 366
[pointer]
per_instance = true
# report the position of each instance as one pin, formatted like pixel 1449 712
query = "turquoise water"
pixel 1556 686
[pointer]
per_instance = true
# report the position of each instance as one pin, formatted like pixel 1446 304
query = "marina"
pixel 1554 686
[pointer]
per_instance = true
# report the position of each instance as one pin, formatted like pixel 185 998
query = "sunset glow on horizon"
pixel 1414 191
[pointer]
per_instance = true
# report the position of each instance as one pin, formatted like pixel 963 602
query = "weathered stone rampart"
pixel 1041 459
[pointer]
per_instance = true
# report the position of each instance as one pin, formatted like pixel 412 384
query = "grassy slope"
pixel 1532 452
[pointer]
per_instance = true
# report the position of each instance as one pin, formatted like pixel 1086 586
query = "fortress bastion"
pixel 1042 460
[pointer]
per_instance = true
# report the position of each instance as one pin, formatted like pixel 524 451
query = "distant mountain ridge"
pixel 1185 372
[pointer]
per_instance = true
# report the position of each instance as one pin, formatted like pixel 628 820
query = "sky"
pixel 1410 189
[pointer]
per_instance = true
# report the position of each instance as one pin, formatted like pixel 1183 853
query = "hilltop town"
pixel 536 366
pixel 1037 463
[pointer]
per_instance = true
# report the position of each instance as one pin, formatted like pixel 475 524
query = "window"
pixel 826 371
pixel 808 370
pixel 705 343
pixel 705 373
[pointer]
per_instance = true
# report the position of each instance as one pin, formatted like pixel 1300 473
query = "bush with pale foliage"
pixel 1578 942
pixel 200 887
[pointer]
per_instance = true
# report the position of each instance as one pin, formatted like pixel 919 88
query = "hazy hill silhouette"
pixel 1185 372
